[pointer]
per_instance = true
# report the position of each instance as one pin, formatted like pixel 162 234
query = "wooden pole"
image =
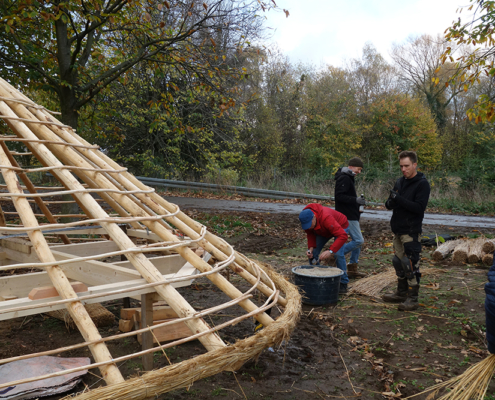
pixel 110 373
pixel 139 261
pixel 147 337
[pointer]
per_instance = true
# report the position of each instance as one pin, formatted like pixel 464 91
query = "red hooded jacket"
pixel 329 223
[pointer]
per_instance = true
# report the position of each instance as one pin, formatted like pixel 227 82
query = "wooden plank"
pixel 7 298
pixel 87 249
pixel 165 264
pixel 159 312
pixel 168 333
pixel 18 244
pixel 46 292
pixel 20 285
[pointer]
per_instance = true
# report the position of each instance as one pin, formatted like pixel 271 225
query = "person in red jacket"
pixel 321 224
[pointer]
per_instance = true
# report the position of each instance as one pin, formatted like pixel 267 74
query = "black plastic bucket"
pixel 318 289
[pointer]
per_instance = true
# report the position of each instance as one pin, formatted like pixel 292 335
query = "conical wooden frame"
pixel 85 173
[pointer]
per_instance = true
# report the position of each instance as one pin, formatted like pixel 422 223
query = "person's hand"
pixel 360 201
pixel 309 253
pixel 393 194
pixel 327 256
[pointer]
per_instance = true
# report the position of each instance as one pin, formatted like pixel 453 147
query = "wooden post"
pixel 147 337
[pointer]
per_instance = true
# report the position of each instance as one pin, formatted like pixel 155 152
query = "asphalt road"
pixel 254 206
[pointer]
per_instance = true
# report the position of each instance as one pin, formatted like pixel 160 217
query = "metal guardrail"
pixel 251 192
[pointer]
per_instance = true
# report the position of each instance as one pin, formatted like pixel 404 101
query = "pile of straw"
pixel 475 252
pixel 445 249
pixel 99 314
pixel 461 252
pixel 472 384
pixel 374 284
pixel 489 246
pixel 229 358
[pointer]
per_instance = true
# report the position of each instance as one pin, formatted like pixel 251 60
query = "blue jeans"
pixel 321 241
pixel 353 247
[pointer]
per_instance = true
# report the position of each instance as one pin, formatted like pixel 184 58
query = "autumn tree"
pixel 76 49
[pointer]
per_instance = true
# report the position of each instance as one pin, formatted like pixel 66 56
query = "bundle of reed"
pixel 475 252
pixel 472 384
pixel 374 284
pixel 487 259
pixel 460 253
pixel 489 246
pixel 445 249
pixel 99 314
pixel 229 358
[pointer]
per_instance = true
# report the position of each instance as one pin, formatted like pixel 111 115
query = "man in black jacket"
pixel 408 200
pixel 348 203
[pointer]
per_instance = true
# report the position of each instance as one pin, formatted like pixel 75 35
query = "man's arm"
pixel 311 238
pixel 417 206
pixel 391 203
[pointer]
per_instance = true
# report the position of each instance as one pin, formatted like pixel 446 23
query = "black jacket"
pixel 490 309
pixel 345 194
pixel 410 204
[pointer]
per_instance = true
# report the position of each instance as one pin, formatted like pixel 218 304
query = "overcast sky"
pixel 329 31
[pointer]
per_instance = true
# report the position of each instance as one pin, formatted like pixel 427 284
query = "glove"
pixel 393 194
pixel 360 201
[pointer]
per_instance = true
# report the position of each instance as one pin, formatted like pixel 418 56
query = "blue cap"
pixel 306 218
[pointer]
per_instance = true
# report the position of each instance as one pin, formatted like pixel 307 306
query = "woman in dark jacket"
pixel 490 308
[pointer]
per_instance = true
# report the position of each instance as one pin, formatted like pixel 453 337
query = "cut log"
pixel 487 259
pixel 445 249
pixel 49 291
pixel 475 250
pixel 461 252
pixel 159 312
pixel 169 332
pixel 99 314
pixel 489 246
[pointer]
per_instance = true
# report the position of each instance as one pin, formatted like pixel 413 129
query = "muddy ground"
pixel 358 348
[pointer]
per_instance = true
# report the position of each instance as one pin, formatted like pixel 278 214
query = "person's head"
pixel 356 165
pixel 307 218
pixel 408 164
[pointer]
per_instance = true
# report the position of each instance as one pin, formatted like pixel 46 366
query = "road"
pixel 254 206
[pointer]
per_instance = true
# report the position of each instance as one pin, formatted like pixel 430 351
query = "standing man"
pixel 321 224
pixel 408 200
pixel 347 202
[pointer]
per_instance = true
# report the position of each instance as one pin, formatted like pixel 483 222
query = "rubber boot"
pixel 352 271
pixel 400 295
pixel 411 302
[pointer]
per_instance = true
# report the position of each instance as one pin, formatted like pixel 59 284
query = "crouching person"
pixel 321 224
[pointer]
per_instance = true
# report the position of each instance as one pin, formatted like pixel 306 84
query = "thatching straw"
pixel 472 384
pixel 99 314
pixel 445 249
pixel 461 252
pixel 489 246
pixel 228 358
pixel 374 284
pixel 475 250
pixel 487 259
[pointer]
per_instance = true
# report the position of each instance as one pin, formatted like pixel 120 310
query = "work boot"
pixel 411 302
pixel 400 295
pixel 352 271
pixel 343 288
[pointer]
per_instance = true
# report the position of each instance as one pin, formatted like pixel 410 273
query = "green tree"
pixel 76 49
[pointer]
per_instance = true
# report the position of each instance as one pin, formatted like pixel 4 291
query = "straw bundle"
pixel 445 249
pixel 487 259
pixel 99 314
pixel 475 252
pixel 374 284
pixel 472 384
pixel 461 252
pixel 228 358
pixel 489 246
